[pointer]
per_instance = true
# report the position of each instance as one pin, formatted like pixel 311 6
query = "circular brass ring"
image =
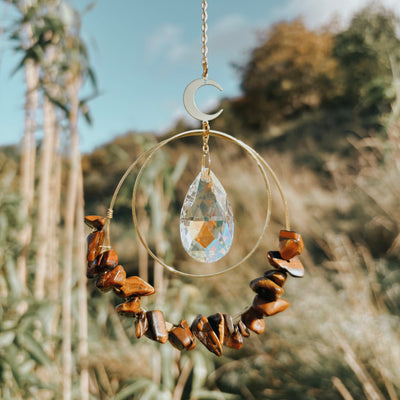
pixel 262 165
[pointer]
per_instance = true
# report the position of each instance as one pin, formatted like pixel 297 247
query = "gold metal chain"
pixel 204 38
pixel 206 159
pixel 206 135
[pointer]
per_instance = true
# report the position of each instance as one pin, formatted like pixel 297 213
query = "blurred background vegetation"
pixel 323 108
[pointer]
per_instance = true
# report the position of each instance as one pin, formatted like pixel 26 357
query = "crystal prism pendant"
pixel 206 222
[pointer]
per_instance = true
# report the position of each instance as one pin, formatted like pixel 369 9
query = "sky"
pixel 144 53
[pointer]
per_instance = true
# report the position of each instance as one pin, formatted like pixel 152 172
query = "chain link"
pixel 204 62
pixel 204 39
pixel 206 136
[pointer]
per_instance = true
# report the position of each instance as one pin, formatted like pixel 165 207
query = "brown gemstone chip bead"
pixel 134 286
pixel 235 340
pixel 94 242
pixel 93 271
pixel 108 260
pixel 142 324
pixel 95 222
pixel 157 330
pixel 129 308
pixel 294 267
pixel 229 327
pixel 266 288
pixel 253 320
pixel 181 336
pixel 104 262
pixel 277 276
pixel 201 328
pixel 111 279
pixel 269 308
pixel 290 244
pixel 243 329
pixel 217 322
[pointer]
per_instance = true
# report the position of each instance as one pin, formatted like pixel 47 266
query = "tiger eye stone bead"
pixel 157 329
pixel 111 279
pixel 266 288
pixel 108 260
pixel 268 308
pixel 129 308
pixel 142 324
pixel 217 322
pixel 229 326
pixel 93 271
pixel 243 329
pixel 104 262
pixel 201 328
pixel 290 244
pixel 181 336
pixel 294 266
pixel 277 276
pixel 95 222
pixel 235 340
pixel 134 286
pixel 94 242
pixel 253 320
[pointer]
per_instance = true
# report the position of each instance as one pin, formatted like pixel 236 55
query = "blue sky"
pixel 146 52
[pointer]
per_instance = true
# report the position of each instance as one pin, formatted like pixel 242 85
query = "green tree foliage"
pixel 366 52
pixel 291 71
pixel 295 69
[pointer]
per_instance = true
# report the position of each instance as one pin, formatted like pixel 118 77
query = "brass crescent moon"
pixel 189 99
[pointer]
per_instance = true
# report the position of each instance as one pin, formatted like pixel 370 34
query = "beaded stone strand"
pixel 213 331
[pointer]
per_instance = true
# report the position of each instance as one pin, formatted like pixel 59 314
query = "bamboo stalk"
pixel 53 261
pixel 82 292
pixel 46 162
pixel 28 159
pixel 70 208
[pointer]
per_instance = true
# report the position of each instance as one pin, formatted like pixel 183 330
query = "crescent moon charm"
pixel 189 99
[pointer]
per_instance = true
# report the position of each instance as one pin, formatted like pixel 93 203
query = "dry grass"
pixel 338 339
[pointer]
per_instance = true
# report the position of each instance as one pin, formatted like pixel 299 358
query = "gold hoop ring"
pixel 262 165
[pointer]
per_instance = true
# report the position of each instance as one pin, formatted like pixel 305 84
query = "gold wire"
pixel 115 194
pixel 261 163
pixel 259 160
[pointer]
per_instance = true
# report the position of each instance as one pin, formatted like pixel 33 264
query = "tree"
pixel 38 33
pixel 365 53
pixel 55 47
pixel 76 67
pixel 292 70
pixel 23 35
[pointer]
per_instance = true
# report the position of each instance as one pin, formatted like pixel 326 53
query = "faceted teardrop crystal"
pixel 206 222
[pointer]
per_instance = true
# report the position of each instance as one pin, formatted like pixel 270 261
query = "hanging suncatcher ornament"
pixel 206 222
pixel 206 229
